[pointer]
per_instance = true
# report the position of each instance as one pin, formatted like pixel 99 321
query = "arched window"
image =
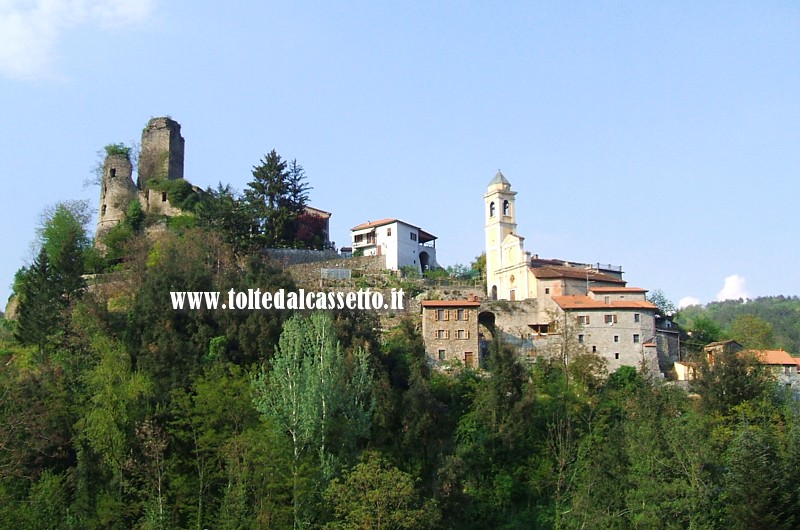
pixel 491 209
pixel 506 209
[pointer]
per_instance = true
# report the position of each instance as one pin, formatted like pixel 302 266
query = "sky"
pixel 659 136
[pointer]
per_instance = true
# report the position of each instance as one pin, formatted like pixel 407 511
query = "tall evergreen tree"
pixel 39 304
pixel 274 199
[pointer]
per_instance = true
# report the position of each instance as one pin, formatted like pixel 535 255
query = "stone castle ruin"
pixel 161 157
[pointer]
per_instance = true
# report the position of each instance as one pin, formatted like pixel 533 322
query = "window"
pixel 607 299
pixel 103 210
pixel 583 320
pixel 442 334
pixel 491 209
pixel 113 173
pixel 462 315
pixel 389 231
pixel 442 314
pixel 580 338
pixel 637 317
pixel 636 338
pixel 441 355
pixel 611 319
pixel 163 196
pixel 616 355
pixel 594 349
pixel 546 290
pixel 506 208
pixel 616 338
pixel 413 236
pixel 359 238
pixel 462 334
pixel 540 329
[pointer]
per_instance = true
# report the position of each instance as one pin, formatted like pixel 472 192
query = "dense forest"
pixel 119 412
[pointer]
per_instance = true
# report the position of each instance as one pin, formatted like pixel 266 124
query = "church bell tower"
pixel 501 220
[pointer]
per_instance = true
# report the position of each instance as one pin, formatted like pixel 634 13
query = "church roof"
pixel 556 272
pixel 499 179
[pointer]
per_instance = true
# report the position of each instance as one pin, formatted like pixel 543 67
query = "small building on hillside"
pixel 402 244
pixel 782 366
pixel 719 348
pixel 450 331
pixel 686 370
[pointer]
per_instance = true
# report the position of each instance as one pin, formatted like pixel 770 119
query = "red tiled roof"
pixel 373 224
pixel 620 289
pixel 450 303
pixel 584 302
pixel 774 357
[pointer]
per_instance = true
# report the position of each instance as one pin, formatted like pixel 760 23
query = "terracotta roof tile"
pixel 774 357
pixel 373 224
pixel 620 289
pixel 584 302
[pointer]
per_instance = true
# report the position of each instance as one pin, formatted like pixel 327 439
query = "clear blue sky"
pixel 663 136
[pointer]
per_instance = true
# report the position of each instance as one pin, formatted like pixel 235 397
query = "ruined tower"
pixel 117 190
pixel 161 151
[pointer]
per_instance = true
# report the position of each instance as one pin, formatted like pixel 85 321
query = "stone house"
pixel 402 244
pixel 450 330
pixel 618 323
pixel 784 367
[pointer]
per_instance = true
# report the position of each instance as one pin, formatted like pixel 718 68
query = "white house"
pixel 402 244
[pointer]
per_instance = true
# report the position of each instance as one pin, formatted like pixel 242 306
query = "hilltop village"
pixel 519 392
pixel 550 307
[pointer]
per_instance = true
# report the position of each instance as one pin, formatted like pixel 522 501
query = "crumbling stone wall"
pixel 161 151
pixel 116 192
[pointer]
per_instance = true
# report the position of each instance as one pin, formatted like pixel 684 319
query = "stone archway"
pixel 424 261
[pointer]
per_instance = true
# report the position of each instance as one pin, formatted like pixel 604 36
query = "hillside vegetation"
pixel 765 322
pixel 118 411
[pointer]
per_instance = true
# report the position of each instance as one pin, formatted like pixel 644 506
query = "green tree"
pixel 752 332
pixel 39 312
pixel 206 419
pixel 375 494
pixel 48 288
pixel 664 304
pixel 702 331
pixel 275 198
pixel 224 212
pixel 309 394
pixel 733 379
